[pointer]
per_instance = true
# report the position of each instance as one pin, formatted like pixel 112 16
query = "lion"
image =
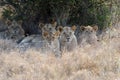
pixel 87 35
pixel 46 30
pixel 68 40
pixel 46 43
pixel 54 44
pixel 13 31
pixel 49 27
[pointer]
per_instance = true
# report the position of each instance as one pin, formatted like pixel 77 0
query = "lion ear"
pixel 95 27
pixel 54 23
pixel 41 25
pixel 82 28
pixel 73 27
pixel 60 29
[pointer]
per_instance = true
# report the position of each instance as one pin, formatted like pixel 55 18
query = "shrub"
pixel 87 12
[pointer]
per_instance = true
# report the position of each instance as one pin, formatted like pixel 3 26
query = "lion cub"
pixel 15 31
pixel 87 35
pixel 53 42
pixel 67 38
pixel 49 27
pixel 12 31
pixel 47 43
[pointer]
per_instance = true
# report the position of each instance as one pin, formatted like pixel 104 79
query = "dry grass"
pixel 89 63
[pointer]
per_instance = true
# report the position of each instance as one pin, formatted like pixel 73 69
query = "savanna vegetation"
pixel 90 62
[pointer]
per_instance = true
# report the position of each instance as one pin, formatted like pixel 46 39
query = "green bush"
pixel 80 12
pixel 89 13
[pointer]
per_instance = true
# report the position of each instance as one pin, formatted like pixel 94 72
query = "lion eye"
pixel 91 31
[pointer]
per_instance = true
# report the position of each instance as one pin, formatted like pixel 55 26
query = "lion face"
pixel 49 32
pixel 89 29
pixel 67 38
pixel 67 33
pixel 50 37
pixel 88 34
pixel 50 27
pixel 16 30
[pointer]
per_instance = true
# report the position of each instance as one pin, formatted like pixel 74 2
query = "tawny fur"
pixel 87 35
pixel 67 39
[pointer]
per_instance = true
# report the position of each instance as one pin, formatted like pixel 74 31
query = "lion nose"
pixel 68 38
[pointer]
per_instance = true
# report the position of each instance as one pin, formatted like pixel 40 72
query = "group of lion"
pixel 55 39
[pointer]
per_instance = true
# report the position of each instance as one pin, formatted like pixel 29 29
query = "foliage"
pixel 81 12
pixel 61 10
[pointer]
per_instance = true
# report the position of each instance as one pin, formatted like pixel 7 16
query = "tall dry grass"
pixel 97 62
pixel 100 62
